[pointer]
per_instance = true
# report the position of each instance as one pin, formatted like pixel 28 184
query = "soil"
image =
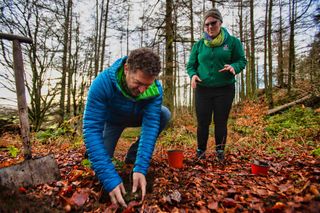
pixel 15 201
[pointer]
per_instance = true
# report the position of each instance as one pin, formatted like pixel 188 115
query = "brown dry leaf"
pixel 262 192
pixel 229 202
pixel 201 203
pixel 176 179
pixel 314 190
pixel 112 208
pixel 175 210
pixel 298 191
pixel 298 199
pixel 272 187
pixel 6 164
pixel 80 197
pixel 162 181
pixel 75 174
pixel 191 129
pixel 131 207
pixel 294 205
pixel 174 196
pixel 278 206
pixel 257 206
pixel 285 187
pixel 196 181
pixel 213 205
pixel 203 210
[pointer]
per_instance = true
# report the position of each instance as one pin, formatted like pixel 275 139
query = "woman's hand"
pixel 139 180
pixel 116 195
pixel 194 80
pixel 228 68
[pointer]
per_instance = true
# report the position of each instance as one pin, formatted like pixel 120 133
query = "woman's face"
pixel 212 26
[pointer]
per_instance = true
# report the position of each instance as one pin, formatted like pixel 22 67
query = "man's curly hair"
pixel 144 59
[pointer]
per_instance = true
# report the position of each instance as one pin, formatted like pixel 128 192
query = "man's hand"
pixel 194 80
pixel 228 68
pixel 116 195
pixel 139 180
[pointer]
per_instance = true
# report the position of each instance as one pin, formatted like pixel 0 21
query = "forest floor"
pixel 291 185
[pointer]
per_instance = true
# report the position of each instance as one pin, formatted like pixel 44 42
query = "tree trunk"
pixel 213 3
pixel 291 70
pixel 191 91
pixel 265 73
pixel 248 69
pixel 127 30
pixel 104 37
pixel 242 88
pixel 169 37
pixel 252 52
pixel 69 69
pixel 64 62
pixel 280 74
pixel 97 44
pixel 285 106
pixel 270 98
pixel 75 69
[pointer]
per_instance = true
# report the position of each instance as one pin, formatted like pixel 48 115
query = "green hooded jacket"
pixel 206 61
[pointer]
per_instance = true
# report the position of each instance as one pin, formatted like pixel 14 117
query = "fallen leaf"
pixel 203 210
pixel 278 206
pixel 22 189
pixel 175 196
pixel 297 191
pixel 229 202
pixel 213 205
pixel 131 207
pixel 201 203
pixel 67 208
pixel 78 198
pixel 285 187
pixel 112 208
pixel 314 190
pixel 75 174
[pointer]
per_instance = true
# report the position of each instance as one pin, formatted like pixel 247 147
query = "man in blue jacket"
pixel 126 94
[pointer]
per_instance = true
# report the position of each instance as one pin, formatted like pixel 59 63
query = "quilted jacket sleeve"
pixel 149 134
pixel 93 125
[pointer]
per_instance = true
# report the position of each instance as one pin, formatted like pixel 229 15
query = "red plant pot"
pixel 175 158
pixel 259 168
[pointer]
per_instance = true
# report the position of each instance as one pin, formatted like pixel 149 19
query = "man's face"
pixel 138 81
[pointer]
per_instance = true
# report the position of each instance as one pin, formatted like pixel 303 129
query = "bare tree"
pixel 65 67
pixel 280 73
pixel 270 86
pixel 169 36
pixel 35 19
pixel 252 51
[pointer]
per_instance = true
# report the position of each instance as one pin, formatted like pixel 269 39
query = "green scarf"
pixel 217 41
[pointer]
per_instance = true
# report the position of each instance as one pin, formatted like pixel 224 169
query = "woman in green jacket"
pixel 214 61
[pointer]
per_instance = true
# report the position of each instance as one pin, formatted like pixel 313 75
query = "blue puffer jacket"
pixel 106 103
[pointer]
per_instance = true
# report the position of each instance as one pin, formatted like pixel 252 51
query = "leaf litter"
pixel 292 183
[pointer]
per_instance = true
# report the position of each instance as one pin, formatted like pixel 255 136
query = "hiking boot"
pixel 220 155
pixel 201 154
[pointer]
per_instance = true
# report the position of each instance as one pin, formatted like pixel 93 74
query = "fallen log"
pixel 285 106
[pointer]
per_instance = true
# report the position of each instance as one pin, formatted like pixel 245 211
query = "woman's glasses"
pixel 212 24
